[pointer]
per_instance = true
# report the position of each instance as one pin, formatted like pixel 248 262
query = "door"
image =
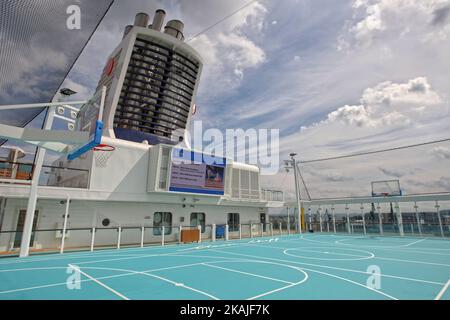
pixel 262 219
pixel 19 228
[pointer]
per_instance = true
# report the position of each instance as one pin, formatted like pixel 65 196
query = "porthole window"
pixel 106 222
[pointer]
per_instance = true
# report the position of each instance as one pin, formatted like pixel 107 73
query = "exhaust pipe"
pixel 158 20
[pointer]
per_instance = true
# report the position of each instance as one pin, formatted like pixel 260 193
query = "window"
pixel 162 219
pixel 233 222
pixel 198 219
pixel 105 222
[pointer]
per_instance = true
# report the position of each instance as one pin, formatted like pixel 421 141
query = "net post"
pixel 163 235
pixel 66 214
pixel 92 238
pixel 33 193
pixel 348 218
pixel 213 232
pixel 226 232
pixel 142 236
pixel 199 228
pixel 416 207
pixel 380 219
pixel 119 236
pixel 438 212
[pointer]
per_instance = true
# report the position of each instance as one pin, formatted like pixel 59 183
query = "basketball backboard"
pixel 78 131
pixel 386 188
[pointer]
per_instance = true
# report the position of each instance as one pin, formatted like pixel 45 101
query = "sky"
pixel 334 76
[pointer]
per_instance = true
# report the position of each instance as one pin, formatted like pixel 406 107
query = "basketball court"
pixel 295 267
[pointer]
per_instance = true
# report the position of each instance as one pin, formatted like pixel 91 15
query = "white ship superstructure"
pixel 141 195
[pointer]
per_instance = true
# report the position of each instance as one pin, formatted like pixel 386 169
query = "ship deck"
pixel 308 267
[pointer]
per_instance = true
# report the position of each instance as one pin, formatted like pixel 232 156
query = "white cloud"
pixel 389 105
pixel 229 52
pixel 442 153
pixel 381 19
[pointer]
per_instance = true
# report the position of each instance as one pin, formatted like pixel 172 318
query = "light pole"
pixel 292 164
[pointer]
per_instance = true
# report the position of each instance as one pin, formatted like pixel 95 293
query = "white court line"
pixel 128 273
pixel 325 273
pixel 441 293
pixel 414 261
pixel 348 270
pixel 410 244
pixel 273 291
pixel 247 273
pixel 98 282
pixel 391 248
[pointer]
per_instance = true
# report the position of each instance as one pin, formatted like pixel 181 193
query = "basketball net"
pixel 102 153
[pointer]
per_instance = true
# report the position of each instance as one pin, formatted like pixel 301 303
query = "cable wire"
pixel 375 152
pixel 221 20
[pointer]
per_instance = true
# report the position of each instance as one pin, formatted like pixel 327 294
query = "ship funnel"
pixel 158 20
pixel 127 30
pixel 175 29
pixel 141 20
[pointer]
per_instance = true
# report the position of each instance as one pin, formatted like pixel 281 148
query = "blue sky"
pixel 335 76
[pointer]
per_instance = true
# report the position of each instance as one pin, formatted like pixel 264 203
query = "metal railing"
pixel 60 240
pixel 22 173
pixel 424 215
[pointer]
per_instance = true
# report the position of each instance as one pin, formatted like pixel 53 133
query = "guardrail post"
pixel 398 213
pixel 271 229
pixel 348 218
pixel 280 228
pixel 288 220
pixel 334 218
pixel 261 231
pixel 416 207
pixel 180 228
pixel 226 232
pixel 320 218
pixel 200 233
pixel 142 236
pixel 163 235
pixel 251 230
pixel 438 211
pixel 380 219
pixel 119 236
pixel 240 231
pixel 363 218
pixel 92 238
pixel 66 215
pixel 213 232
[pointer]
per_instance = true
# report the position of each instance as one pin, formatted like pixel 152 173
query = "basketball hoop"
pixel 102 153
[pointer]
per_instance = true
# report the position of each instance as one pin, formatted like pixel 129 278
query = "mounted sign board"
pixel 193 172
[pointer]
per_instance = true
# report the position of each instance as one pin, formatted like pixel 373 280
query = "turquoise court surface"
pixel 287 267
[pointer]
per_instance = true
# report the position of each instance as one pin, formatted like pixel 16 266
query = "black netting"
pixel 37 50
